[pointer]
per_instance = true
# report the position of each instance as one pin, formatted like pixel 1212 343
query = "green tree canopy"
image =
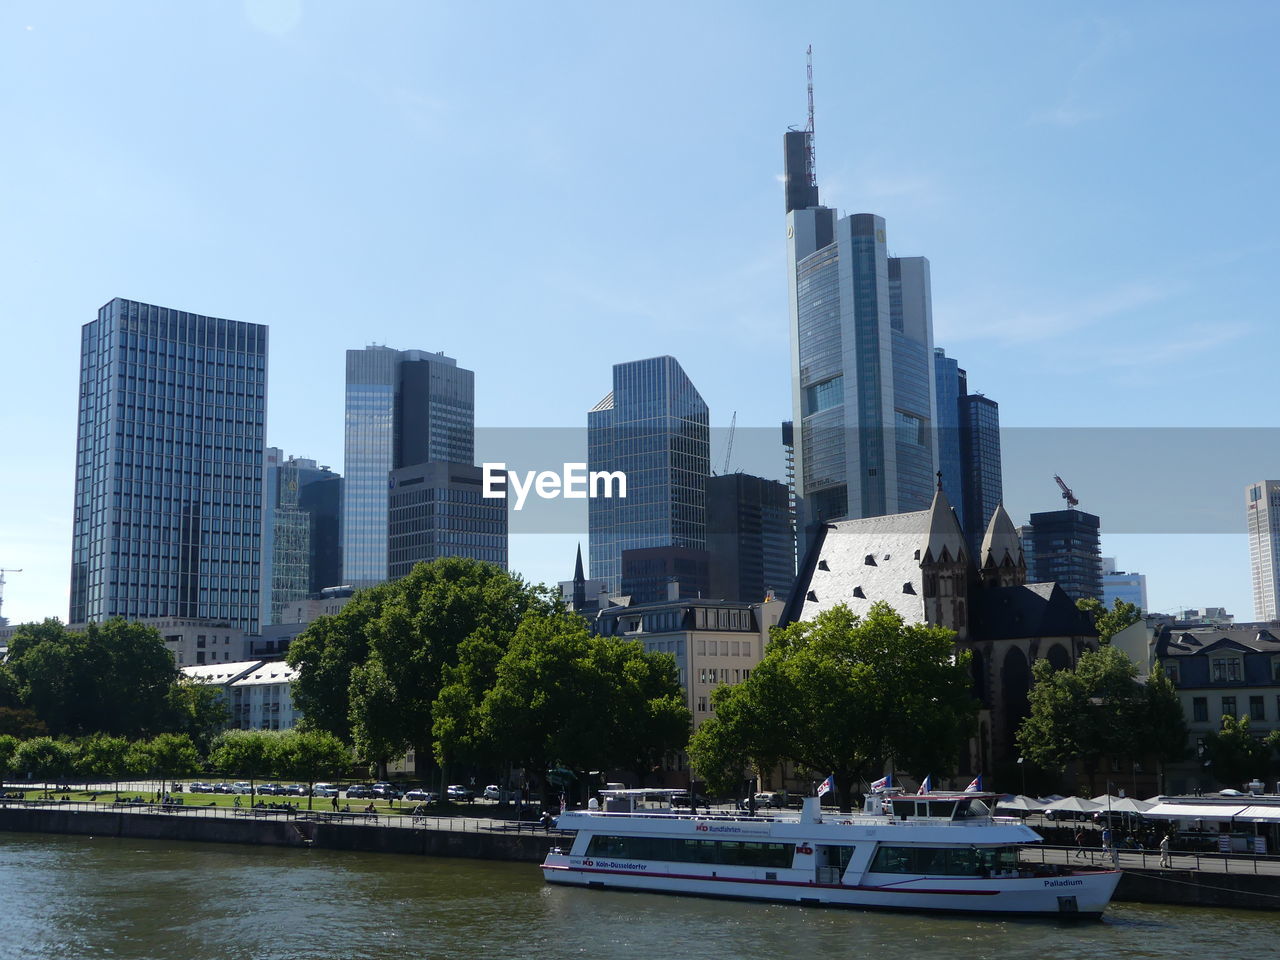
pixel 251 754
pixel 309 755
pixel 373 672
pixel 8 752
pixel 102 757
pixel 174 756
pixel 563 697
pixel 46 759
pixel 1164 725
pixel 842 695
pixel 1233 755
pixel 1096 710
pixel 1109 622
pixel 114 677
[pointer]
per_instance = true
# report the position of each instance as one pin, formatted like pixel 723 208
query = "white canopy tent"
pixel 1072 805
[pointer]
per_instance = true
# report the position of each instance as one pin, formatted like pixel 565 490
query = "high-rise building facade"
pixel 981 471
pixel 654 427
pixel 403 408
pixel 300 532
pixel 169 447
pixel 1123 585
pixel 436 510
pixel 1262 515
pixel 950 384
pixel 862 365
pixel 749 537
pixel 1066 545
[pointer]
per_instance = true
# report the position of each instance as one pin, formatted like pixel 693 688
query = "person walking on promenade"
pixel 334 801
pixel 1079 842
pixel 1165 859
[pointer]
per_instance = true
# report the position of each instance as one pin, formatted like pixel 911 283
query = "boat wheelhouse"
pixel 937 852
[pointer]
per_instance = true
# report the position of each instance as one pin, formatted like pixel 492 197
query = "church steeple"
pixel 1002 563
pixel 579 583
pixel 946 538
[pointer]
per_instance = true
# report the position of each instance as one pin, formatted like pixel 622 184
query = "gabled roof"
pixel 1031 610
pixel 946 543
pixel 1195 641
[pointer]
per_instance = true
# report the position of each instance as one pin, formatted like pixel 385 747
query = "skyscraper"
pixel 654 427
pixel 403 408
pixel 436 510
pixel 1066 548
pixel 301 553
pixel 1129 586
pixel 749 537
pixel 862 371
pixel 1262 514
pixel 168 489
pixel 968 448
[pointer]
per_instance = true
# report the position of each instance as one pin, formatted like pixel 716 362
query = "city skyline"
pixel 1084 263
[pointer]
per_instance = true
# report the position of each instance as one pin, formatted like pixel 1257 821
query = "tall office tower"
pixel 403 408
pixel 1026 533
pixel 749 537
pixel 1066 546
pixel 437 510
pixel 950 384
pixel 862 373
pixel 301 553
pixel 168 491
pixel 653 426
pixel 1122 585
pixel 1262 512
pixel 983 477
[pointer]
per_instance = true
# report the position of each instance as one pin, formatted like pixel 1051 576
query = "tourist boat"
pixel 936 852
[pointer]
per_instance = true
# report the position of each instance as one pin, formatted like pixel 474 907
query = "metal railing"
pixel 1143 859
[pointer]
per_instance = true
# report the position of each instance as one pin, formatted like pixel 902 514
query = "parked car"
pixel 270 790
pixel 200 787
pixel 491 792
pixel 386 791
pixel 294 790
pixel 457 791
pixel 220 788
pixel 325 790
pixel 359 791
pixel 771 799
pixel 421 796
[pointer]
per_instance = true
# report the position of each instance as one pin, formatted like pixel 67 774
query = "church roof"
pixel 1031 610
pixel 946 538
pixel 1001 543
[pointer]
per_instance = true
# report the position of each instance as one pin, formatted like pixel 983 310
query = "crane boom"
pixel 728 447
pixel 1067 495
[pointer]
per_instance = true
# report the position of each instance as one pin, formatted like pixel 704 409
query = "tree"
pixel 8 750
pixel 307 755
pixel 45 759
pixel 250 754
pixel 173 756
pixel 1233 755
pixel 842 695
pixel 563 697
pixel 1109 622
pixel 1096 710
pixel 199 710
pixel 1164 729
pixel 102 757
pixel 374 671
pixel 113 677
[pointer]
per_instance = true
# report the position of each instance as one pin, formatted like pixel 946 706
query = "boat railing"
pixel 856 819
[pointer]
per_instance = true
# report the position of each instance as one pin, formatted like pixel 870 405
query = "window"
pixel 1226 669
pixel 1200 709
pixel 702 704
pixel 1228 706
pixel 1171 671
pixel 1256 710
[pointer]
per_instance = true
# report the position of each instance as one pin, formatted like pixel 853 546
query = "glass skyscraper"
pixel 403 408
pixel 654 427
pixel 862 360
pixel 300 551
pixel 1262 514
pixel 968 449
pixel 168 487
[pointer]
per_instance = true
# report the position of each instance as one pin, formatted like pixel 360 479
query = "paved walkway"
pixel 1150 860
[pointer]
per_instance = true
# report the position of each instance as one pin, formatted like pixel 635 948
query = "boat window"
pixel 945 861
pixel 946 809
pixel 689 850
pixel 972 807
pixel 903 807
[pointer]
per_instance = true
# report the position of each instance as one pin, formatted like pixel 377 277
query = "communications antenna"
pixel 808 66
pixel 1067 495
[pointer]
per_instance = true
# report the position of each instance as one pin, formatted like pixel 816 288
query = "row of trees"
pixel 305 756
pixel 466 663
pixel 113 678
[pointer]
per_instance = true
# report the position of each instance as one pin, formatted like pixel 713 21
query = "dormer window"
pixel 1226 670
pixel 1171 671
pixel 870 560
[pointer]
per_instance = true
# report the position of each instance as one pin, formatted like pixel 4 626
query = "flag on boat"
pixel 883 783
pixel 827 785
pixel 975 785
pixel 927 786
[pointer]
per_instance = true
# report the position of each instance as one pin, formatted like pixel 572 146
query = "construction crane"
pixel 3 571
pixel 1067 495
pixel 728 447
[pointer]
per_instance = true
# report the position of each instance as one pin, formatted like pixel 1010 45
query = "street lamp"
pixel 1023 771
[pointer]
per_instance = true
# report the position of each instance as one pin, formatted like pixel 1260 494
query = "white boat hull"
pixel 1083 894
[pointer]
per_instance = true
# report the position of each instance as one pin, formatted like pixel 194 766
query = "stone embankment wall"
pixel 1193 888
pixel 367 838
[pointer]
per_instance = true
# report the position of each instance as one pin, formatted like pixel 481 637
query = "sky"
pixel 542 191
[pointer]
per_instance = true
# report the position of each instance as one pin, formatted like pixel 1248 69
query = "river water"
pixel 66 898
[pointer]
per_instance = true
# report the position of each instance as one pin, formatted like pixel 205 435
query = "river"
pixel 66 898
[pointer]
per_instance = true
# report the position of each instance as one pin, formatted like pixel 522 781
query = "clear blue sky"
pixel 542 190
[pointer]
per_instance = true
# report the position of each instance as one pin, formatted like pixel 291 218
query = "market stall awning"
pixel 1267 813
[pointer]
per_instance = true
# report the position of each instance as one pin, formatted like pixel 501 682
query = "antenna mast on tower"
pixel 813 173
